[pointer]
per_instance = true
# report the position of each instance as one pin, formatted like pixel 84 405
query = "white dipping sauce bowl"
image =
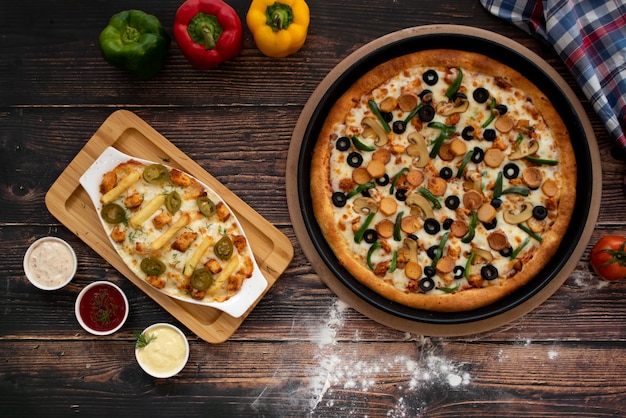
pixel 167 354
pixel 50 263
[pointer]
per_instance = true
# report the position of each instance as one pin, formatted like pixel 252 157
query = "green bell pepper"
pixel 135 41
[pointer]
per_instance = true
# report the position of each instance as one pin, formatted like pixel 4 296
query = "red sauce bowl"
pixel 101 308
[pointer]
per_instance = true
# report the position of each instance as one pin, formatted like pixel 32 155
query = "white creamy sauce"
pixel 166 353
pixel 51 263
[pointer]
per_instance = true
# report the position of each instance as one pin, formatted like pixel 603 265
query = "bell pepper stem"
pixel 130 35
pixel 279 16
pixel 207 36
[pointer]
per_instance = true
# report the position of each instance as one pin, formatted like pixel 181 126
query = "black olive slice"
pixel 496 202
pixel 430 77
pixel 387 116
pixel 432 226
pixel 459 272
pixel 468 133
pixel 432 251
pixel 426 96
pixel 452 202
pixel 399 126
pixel 447 223
pixel 446 173
pixel 370 236
pixel 489 272
pixel 343 143
pixel 430 271
pixel 491 225
pixel 355 159
pixel 383 181
pixel 506 252
pixel 426 284
pixel 401 194
pixel 478 155
pixel 489 134
pixel 510 171
pixel 502 109
pixel 426 113
pixel 540 213
pixel 481 95
pixel 339 199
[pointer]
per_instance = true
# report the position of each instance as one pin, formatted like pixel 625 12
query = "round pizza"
pixel 443 180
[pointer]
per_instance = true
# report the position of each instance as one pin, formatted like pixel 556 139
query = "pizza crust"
pixel 321 182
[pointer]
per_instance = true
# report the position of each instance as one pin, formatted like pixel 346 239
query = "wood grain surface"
pixel 301 351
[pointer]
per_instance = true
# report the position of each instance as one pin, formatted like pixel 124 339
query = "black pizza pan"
pixel 508 52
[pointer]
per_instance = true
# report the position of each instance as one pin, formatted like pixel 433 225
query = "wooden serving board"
pixel 70 204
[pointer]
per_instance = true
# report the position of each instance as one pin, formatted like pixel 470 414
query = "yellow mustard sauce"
pixel 166 353
pixel 51 263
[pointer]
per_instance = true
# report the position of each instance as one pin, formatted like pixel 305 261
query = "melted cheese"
pixel 519 109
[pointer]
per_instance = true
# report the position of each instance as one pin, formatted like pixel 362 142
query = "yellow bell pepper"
pixel 280 27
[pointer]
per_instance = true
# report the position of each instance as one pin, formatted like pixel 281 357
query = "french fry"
pixel 182 221
pixel 123 185
pixel 190 265
pixel 222 278
pixel 146 211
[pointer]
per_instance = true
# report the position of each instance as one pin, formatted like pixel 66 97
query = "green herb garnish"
pixel 142 339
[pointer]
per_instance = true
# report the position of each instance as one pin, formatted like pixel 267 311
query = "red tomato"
pixel 608 257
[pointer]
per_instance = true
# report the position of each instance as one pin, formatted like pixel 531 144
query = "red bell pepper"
pixel 208 32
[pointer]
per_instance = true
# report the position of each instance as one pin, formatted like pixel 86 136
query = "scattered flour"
pixel 552 354
pixel 339 369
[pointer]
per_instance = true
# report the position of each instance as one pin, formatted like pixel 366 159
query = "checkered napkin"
pixel 590 38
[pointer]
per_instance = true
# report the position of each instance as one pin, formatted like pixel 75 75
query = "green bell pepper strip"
pixel 541 161
pixel 136 42
pixel 450 289
pixel 443 135
pixel 519 249
pixel 529 232
pixel 374 108
pixel 516 190
pixel 497 188
pixel 454 87
pixel 360 188
pixel 395 179
pixel 428 195
pixel 472 228
pixel 492 108
pixel 373 248
pixel 397 236
pixel 469 264
pixel 394 261
pixel 358 237
pixel 464 163
pixel 358 144
pixel 413 113
pixel 439 251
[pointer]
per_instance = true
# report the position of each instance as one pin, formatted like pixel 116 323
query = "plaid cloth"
pixel 590 38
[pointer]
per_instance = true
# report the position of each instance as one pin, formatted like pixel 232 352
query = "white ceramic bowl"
pixel 50 263
pixel 101 308
pixel 166 354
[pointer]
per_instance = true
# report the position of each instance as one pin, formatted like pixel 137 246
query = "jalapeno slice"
pixel 173 201
pixel 113 213
pixel 155 173
pixel 201 279
pixel 223 248
pixel 152 266
pixel 206 206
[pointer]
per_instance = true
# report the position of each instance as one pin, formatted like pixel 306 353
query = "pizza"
pixel 174 232
pixel 443 180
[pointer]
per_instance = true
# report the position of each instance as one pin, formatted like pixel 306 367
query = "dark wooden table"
pixel 301 351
